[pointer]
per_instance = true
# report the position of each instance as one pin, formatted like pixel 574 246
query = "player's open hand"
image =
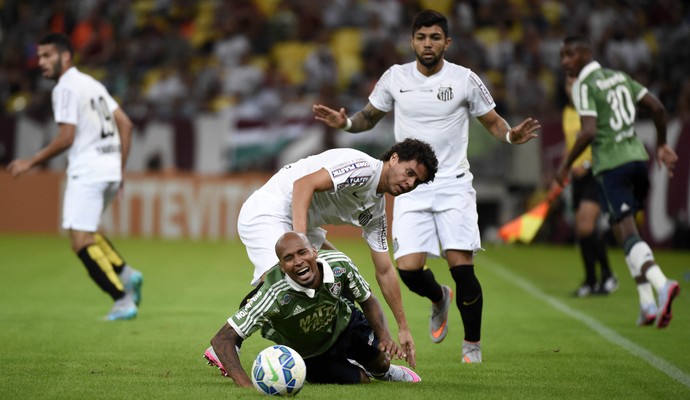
pixel 334 119
pixel 526 131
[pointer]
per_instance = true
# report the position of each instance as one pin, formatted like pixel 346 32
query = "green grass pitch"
pixel 538 342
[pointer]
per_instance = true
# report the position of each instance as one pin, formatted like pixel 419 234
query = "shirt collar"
pixel 588 69
pixel 327 278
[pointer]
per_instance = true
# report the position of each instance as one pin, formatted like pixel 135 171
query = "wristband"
pixel 508 137
pixel 348 125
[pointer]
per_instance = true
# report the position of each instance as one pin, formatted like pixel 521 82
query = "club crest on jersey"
pixel 365 217
pixel 337 271
pixel 336 288
pixel 286 298
pixel 445 93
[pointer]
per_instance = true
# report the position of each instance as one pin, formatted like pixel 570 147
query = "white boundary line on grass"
pixel 605 332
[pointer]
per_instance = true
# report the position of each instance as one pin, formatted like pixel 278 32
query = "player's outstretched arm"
pixel 501 130
pixel 224 343
pixel 362 121
pixel 387 279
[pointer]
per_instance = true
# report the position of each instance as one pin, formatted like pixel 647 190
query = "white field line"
pixel 655 361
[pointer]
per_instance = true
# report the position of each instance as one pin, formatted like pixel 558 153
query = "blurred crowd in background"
pixel 265 62
pixel 164 59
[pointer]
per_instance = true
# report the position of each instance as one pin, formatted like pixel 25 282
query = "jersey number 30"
pixel 107 123
pixel 622 106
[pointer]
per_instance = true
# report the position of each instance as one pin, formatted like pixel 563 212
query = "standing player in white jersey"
pixel 433 100
pixel 338 187
pixel 97 133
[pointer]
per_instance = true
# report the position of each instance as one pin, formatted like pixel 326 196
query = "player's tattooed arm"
pixel 224 343
pixel 366 119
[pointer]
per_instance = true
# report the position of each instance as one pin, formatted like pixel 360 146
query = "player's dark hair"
pixel 417 150
pixel 59 40
pixel 578 41
pixel 428 18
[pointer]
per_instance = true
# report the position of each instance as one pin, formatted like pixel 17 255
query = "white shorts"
pixel 84 203
pixel 261 222
pixel 441 213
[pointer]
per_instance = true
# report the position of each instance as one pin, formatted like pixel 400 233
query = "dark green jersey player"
pixel 306 303
pixel 606 101
pixel 310 320
pixel 610 97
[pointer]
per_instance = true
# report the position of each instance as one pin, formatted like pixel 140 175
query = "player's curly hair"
pixel 417 150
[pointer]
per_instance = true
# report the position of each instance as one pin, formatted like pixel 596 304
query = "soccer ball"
pixel 279 370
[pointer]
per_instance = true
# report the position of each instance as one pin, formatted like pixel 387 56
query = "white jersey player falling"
pixel 80 100
pixel 435 109
pixel 267 213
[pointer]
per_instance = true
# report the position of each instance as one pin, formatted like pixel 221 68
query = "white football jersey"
pixel 80 100
pixel 434 109
pixel 353 201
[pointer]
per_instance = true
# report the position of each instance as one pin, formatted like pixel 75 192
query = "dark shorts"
pixel 624 189
pixel 357 342
pixel 585 189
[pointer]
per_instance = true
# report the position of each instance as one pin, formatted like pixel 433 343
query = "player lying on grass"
pixel 306 303
pixel 337 187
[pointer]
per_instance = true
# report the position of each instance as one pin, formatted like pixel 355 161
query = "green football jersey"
pixel 610 96
pixel 308 320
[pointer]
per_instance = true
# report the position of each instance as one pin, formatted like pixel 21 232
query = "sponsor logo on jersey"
pixel 111 148
pixel 610 82
pixel 349 168
pixel 364 217
pixel 482 89
pixel 354 289
pixel 445 93
pixel 336 288
pixel 286 298
pixel 338 271
pixel 625 207
pixel 354 181
pixel 415 90
pixel 321 318
pixel 395 245
pixel 383 229
pixel 297 310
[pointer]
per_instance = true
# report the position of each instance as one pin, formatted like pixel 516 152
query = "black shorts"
pixel 624 189
pixel 357 342
pixel 585 189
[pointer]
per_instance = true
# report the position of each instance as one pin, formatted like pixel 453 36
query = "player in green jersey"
pixel 606 101
pixel 306 303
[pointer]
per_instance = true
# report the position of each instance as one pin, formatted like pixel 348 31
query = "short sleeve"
pixel 381 97
pixel 65 106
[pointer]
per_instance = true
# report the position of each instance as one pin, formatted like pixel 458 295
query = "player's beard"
pixel 429 64
pixel 54 71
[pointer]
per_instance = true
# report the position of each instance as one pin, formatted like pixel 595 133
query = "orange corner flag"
pixel 525 227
